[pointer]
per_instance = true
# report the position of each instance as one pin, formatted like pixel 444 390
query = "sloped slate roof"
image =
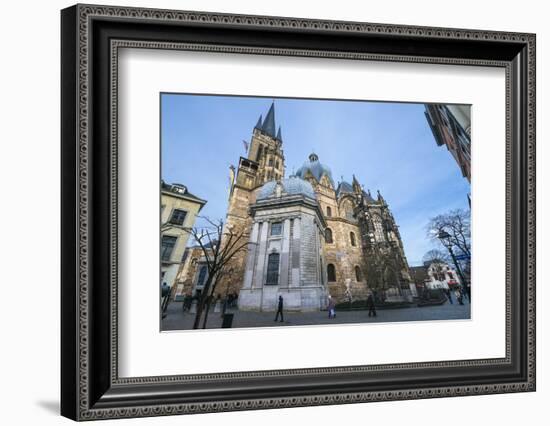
pixel 344 188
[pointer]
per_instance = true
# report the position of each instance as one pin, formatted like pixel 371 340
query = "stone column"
pixel 295 254
pixel 283 276
pixel 251 257
pixel 258 279
pixel 308 252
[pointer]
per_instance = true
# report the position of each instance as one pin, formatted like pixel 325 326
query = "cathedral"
pixel 309 237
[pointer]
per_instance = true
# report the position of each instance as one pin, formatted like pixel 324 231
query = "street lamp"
pixel 445 239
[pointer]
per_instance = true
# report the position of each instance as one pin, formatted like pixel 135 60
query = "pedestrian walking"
pixel 370 305
pixel 449 296
pixel 225 305
pixel 331 307
pixel 165 293
pixel 279 309
pixel 459 297
pixel 186 305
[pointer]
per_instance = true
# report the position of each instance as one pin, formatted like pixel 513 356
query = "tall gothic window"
pixel 352 239
pixel 329 211
pixel 328 236
pixel 331 273
pixel 378 228
pixel 358 275
pixel 272 269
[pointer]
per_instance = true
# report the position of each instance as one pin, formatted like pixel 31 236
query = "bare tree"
pixel 457 224
pixel 219 244
pixel 435 256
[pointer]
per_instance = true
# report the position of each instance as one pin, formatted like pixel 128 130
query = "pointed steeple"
pixel 259 123
pixel 269 123
pixel 279 136
pixel 356 185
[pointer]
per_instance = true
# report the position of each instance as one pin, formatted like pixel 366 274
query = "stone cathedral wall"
pixel 345 258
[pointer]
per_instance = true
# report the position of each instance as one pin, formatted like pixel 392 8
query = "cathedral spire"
pixel 259 123
pixel 380 198
pixel 279 136
pixel 268 126
pixel 356 185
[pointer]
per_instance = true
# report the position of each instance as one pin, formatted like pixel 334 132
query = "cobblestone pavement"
pixel 177 320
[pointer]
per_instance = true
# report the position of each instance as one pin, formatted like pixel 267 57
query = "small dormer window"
pixel 179 189
pixel 313 157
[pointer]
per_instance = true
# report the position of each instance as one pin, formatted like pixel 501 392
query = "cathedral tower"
pixel 264 162
pixel 266 149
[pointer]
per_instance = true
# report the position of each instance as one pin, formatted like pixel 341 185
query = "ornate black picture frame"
pixel 91 387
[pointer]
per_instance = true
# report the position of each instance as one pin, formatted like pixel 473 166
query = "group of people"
pixel 230 301
pixel 459 294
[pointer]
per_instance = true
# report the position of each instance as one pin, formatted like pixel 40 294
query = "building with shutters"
pixel 179 209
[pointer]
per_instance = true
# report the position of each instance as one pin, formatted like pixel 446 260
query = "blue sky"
pixel 388 146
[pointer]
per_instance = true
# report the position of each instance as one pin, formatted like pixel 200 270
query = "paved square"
pixel 176 319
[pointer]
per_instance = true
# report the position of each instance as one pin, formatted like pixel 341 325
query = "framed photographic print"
pixel 263 212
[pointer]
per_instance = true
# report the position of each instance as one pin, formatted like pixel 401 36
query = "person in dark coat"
pixel 370 305
pixel 165 293
pixel 458 295
pixel 449 296
pixel 279 309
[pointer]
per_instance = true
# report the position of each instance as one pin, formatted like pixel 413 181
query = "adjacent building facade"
pixel 308 236
pixel 451 126
pixel 434 275
pixel 179 209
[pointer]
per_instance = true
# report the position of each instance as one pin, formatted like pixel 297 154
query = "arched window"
pixel 352 239
pixel 328 236
pixel 331 273
pixel 358 276
pixel 272 269
pixel 329 211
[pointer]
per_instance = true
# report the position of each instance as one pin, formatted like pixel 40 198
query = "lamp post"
pixel 445 239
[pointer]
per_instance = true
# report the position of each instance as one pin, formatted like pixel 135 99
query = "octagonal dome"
pixel 294 185
pixel 316 168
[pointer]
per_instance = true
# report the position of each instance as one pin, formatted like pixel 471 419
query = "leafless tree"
pixel 219 244
pixel 435 256
pixel 457 224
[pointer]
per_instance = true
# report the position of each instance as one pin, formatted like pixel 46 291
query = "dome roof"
pixel 291 186
pixel 314 167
